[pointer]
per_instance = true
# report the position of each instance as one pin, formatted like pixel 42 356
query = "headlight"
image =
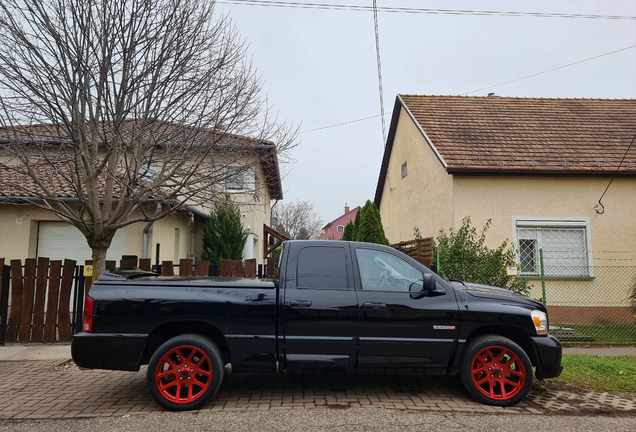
pixel 540 321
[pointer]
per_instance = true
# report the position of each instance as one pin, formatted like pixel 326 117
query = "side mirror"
pixel 426 287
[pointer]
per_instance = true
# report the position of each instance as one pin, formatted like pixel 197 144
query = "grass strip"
pixel 600 373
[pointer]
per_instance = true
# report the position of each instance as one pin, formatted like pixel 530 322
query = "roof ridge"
pixel 495 97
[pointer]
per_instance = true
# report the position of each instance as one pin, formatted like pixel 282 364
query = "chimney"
pixel 346 208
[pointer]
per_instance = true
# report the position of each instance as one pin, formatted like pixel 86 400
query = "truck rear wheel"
pixel 185 372
pixel 496 371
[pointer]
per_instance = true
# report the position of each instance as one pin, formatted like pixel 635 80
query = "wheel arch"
pixel 516 335
pixel 166 331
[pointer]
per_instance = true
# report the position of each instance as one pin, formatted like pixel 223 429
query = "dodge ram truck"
pixel 335 306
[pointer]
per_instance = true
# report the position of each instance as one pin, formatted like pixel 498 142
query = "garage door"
pixel 59 240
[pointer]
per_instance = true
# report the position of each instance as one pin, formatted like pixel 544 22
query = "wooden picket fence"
pixel 40 300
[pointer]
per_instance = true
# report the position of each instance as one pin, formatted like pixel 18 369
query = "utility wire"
pixel 377 51
pixel 343 123
pixel 301 5
pixel 549 70
pixel 485 88
pixel 600 208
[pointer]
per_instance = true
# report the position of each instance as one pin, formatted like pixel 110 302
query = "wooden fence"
pixel 40 300
pixel 420 250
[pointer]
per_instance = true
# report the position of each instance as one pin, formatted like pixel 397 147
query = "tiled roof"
pixel 14 184
pixel 535 136
pixel 162 133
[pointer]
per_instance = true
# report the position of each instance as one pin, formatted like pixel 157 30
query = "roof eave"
pixel 269 162
pixel 460 170
pixel 387 152
pixel 399 103
pixel 419 127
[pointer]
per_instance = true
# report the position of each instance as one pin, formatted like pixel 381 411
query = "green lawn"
pixel 601 373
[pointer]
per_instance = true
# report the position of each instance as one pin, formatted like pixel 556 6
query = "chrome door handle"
pixel 299 303
pixel 370 305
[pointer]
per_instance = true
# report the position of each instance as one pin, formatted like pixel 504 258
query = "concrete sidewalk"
pixel 62 351
pixel 606 351
pixel 33 351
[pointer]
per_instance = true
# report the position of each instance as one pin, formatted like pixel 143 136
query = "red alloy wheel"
pixel 498 373
pixel 184 374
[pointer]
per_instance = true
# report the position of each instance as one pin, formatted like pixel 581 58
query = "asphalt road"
pixel 354 420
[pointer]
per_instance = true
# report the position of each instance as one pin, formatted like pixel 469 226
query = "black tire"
pixel 495 370
pixel 178 386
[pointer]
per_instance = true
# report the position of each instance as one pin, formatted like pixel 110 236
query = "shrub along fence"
pixel 43 300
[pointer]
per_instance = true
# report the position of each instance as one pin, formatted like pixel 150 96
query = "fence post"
pixel 4 299
pixel 542 276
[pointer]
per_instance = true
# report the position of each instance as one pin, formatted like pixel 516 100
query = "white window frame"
pixel 554 222
pixel 249 179
pixel 340 228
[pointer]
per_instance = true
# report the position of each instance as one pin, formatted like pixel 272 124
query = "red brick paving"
pixel 35 390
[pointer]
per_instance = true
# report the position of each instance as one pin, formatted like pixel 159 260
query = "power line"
pixel 486 88
pixel 344 123
pixel 549 70
pixel 600 208
pixel 377 51
pixel 299 5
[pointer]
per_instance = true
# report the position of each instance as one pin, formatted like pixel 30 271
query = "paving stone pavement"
pixel 42 389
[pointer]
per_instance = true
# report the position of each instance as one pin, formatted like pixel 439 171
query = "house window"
pixel 148 172
pixel 240 179
pixel 404 170
pixel 565 244
pixel 340 228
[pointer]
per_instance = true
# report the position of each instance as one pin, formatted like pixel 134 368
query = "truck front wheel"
pixel 495 370
pixel 185 372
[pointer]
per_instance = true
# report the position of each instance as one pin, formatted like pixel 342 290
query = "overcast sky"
pixel 319 68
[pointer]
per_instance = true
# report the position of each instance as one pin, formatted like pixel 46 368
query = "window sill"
pixel 537 277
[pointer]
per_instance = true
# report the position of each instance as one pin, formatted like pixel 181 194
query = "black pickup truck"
pixel 341 307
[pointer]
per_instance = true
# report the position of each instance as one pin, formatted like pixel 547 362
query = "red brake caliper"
pixel 184 374
pixel 497 373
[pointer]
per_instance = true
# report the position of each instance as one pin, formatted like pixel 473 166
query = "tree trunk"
pixel 99 261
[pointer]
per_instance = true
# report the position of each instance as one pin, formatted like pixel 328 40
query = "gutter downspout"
pixel 144 249
pixel 271 214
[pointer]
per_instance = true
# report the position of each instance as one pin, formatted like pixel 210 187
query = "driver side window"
pixel 382 271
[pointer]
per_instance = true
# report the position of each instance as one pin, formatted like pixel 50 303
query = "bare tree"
pixel 110 107
pixel 298 220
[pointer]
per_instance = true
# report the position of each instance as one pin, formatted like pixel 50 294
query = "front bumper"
pixel 549 351
pixel 108 351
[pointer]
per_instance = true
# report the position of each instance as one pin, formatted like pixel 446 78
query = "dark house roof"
pixel 163 133
pixel 522 136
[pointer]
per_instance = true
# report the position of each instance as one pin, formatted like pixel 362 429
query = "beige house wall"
pixel 255 211
pixel 19 233
pixel 424 198
pixel 612 234
pixel 19 230
pixel 177 237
